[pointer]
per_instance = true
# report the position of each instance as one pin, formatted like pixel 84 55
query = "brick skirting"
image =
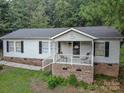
pixel 29 61
pixel 107 69
pixel 82 72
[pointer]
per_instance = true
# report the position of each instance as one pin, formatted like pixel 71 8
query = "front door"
pixel 76 48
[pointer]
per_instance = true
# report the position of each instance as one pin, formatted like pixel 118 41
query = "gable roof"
pixel 75 30
pixel 47 33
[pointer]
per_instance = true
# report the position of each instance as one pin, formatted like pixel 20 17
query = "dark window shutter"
pixel 22 47
pixel 7 46
pixel 94 48
pixel 106 49
pixel 59 47
pixel 40 47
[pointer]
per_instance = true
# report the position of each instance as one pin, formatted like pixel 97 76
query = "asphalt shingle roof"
pixel 96 31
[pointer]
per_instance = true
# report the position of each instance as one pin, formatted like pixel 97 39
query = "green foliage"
pixel 1 67
pixel 92 86
pixel 122 55
pixel 72 80
pixel 104 12
pixel 54 81
pixel 15 14
pixel 83 84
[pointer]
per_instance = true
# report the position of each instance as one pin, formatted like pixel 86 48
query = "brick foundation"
pixel 29 61
pixel 107 69
pixel 82 72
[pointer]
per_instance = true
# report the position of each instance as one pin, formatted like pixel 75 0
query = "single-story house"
pixel 83 51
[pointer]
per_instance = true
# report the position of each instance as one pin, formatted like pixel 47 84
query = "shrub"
pixel 60 80
pixel 54 81
pixel 1 66
pixel 72 80
pixel 83 84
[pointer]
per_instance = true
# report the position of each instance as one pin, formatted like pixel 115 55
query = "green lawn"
pixel 15 80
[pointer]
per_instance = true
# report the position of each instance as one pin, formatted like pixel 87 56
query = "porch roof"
pixel 47 33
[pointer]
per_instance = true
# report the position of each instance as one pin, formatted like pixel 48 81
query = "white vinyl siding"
pixel 114 52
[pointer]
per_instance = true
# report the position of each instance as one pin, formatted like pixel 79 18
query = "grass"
pixel 15 80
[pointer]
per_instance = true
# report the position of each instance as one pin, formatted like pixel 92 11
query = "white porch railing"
pixel 73 59
pixel 46 62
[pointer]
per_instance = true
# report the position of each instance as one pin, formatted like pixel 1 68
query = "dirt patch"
pixel 39 86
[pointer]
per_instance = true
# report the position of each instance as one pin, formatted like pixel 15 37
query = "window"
pixel 11 46
pixel 100 49
pixel 18 46
pixel 44 47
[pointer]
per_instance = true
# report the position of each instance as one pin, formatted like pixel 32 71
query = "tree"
pixel 38 16
pixel 4 17
pixel 104 12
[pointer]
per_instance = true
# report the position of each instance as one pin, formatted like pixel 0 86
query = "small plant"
pixel 55 81
pixel 52 82
pixel 72 80
pixel 1 67
pixel 83 84
pixel 92 86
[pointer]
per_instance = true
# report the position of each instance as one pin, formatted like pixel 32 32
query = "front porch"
pixel 74 52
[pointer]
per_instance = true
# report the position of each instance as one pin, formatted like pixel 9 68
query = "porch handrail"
pixel 46 62
pixel 73 59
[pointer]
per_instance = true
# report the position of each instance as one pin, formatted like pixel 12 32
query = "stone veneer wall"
pixel 107 69
pixel 82 72
pixel 29 61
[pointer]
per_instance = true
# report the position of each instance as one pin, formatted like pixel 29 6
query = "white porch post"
pixel 71 60
pixel 92 59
